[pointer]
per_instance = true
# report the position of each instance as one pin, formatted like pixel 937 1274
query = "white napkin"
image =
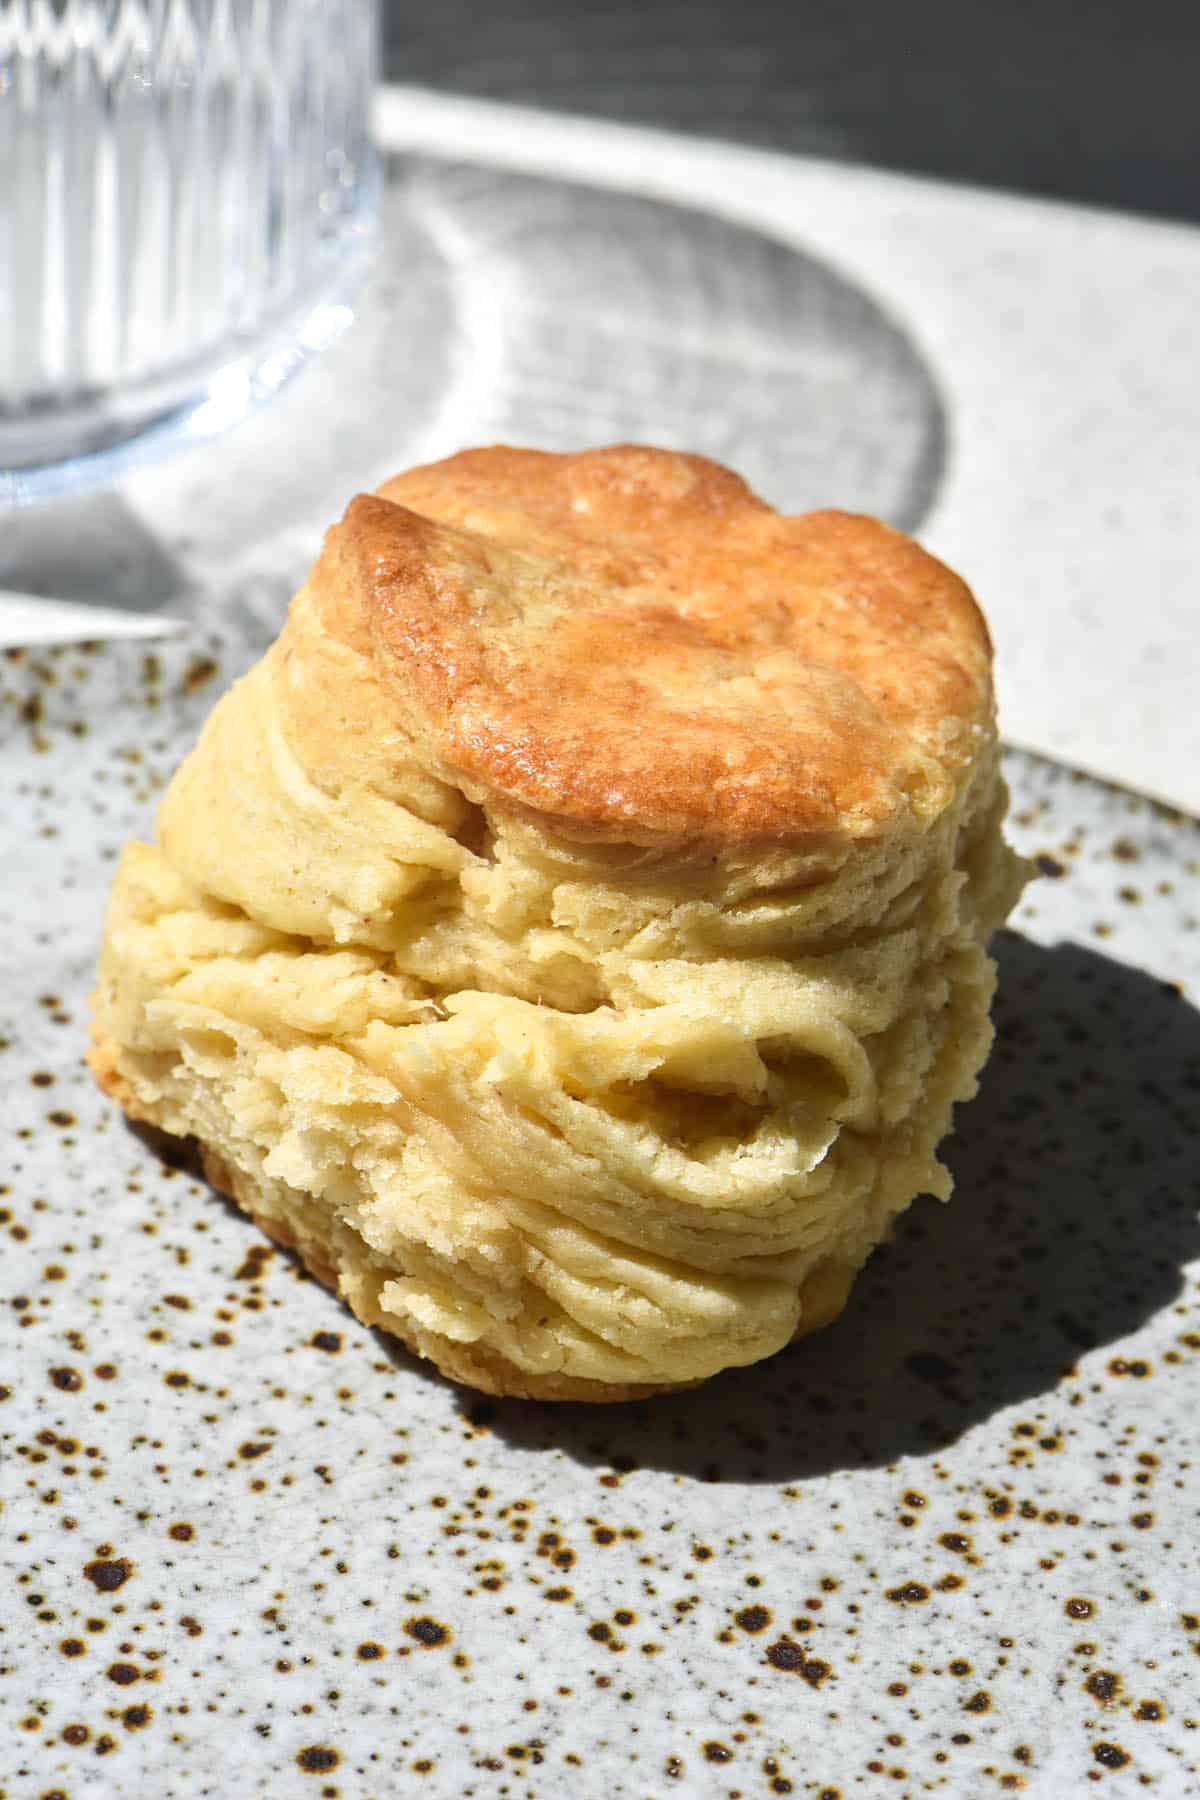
pixel 30 619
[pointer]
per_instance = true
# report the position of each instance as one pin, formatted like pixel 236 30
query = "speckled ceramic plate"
pixel 950 1545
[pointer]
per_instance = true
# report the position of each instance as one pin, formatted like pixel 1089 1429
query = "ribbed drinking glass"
pixel 186 190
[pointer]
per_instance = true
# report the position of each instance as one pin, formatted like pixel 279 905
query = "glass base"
pixel 95 446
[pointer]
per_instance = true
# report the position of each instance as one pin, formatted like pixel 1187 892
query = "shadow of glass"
pixel 628 318
pixel 93 550
pixel 509 307
pixel 1075 1209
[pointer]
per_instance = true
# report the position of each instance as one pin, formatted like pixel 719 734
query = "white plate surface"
pixel 950 1545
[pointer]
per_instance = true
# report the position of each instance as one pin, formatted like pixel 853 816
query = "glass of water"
pixel 186 196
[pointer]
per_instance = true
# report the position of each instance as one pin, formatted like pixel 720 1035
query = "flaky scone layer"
pixel 575 1117
pixel 602 1135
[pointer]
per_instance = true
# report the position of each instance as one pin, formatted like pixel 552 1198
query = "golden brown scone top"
pixel 627 645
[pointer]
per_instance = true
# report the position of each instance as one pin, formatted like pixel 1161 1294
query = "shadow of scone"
pixel 572 934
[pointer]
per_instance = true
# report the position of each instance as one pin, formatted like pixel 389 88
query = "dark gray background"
pixel 1093 100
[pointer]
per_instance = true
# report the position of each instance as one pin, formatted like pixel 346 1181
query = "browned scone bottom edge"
pixel 487 1373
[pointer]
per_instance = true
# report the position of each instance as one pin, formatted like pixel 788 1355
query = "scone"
pixel 571 936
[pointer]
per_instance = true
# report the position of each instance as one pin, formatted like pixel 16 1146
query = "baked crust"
pixel 627 645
